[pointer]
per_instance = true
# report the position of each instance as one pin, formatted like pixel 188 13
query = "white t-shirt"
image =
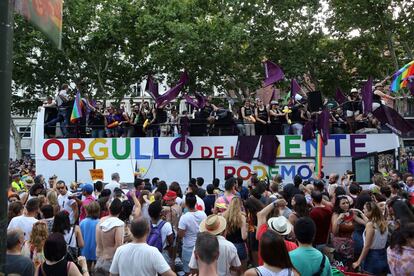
pixel 227 257
pixel 112 185
pixel 62 94
pixel 70 237
pixel 138 259
pixel 190 222
pixel 179 200
pixel 24 223
pixel 65 204
pixel 166 230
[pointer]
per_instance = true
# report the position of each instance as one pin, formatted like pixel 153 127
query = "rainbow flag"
pixel 46 15
pixel 400 78
pixel 77 108
pixel 318 156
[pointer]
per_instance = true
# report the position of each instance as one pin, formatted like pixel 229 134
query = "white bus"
pixel 207 156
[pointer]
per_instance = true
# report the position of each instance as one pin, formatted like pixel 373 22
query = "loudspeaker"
pixel 315 101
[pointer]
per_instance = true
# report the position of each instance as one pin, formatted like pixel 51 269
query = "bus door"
pixel 205 168
pixel 82 168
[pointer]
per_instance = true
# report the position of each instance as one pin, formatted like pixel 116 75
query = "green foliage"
pixel 113 44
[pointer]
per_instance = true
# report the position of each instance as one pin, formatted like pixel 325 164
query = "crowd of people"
pixel 227 227
pixel 217 117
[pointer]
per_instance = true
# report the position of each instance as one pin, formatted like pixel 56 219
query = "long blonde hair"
pixel 52 198
pixel 234 215
pixel 38 236
pixel 376 218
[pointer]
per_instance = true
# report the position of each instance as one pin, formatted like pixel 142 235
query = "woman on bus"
pixel 247 114
pixel 262 118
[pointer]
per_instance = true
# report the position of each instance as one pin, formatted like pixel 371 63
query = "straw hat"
pixel 280 224
pixel 213 224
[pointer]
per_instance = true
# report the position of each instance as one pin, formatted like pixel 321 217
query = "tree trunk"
pixel 390 43
pixel 17 140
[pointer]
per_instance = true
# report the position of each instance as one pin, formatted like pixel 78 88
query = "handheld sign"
pixel 96 174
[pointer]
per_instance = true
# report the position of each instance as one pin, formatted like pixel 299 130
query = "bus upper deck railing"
pixel 197 129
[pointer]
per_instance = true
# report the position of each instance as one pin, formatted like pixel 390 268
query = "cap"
pixel 87 188
pixel 170 195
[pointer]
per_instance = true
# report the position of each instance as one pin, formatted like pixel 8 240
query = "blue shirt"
pixel 244 193
pixel 88 229
pixel 209 203
pixel 307 261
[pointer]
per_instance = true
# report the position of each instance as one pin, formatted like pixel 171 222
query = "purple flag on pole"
pixel 173 92
pixel 308 131
pixel 391 118
pixel 367 96
pixel 268 149
pixel 245 148
pixel 201 99
pixel 339 96
pixel 410 164
pixel 323 125
pixel 191 101
pixel 294 88
pixel 152 87
pixel 198 102
pixel 273 73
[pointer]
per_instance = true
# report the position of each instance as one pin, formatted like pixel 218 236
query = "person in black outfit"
pixel 200 191
pixel 97 121
pixel 277 119
pixel 262 118
pixel 137 121
pixel 161 120
pixel 51 114
pixel 55 251
pixel 209 199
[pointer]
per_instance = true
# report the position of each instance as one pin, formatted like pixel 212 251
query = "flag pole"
pixel 6 53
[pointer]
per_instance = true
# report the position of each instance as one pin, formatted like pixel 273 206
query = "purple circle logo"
pixel 184 155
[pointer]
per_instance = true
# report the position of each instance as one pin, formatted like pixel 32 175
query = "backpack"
pixel 155 237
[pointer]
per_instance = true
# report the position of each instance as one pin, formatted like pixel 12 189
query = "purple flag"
pixel 273 73
pixel 198 102
pixel 410 164
pixel 323 125
pixel 152 87
pixel 268 149
pixel 308 131
pixel 391 118
pixel 191 101
pixel 245 148
pixel 367 96
pixel 294 88
pixel 339 96
pixel 173 92
pixel 201 99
